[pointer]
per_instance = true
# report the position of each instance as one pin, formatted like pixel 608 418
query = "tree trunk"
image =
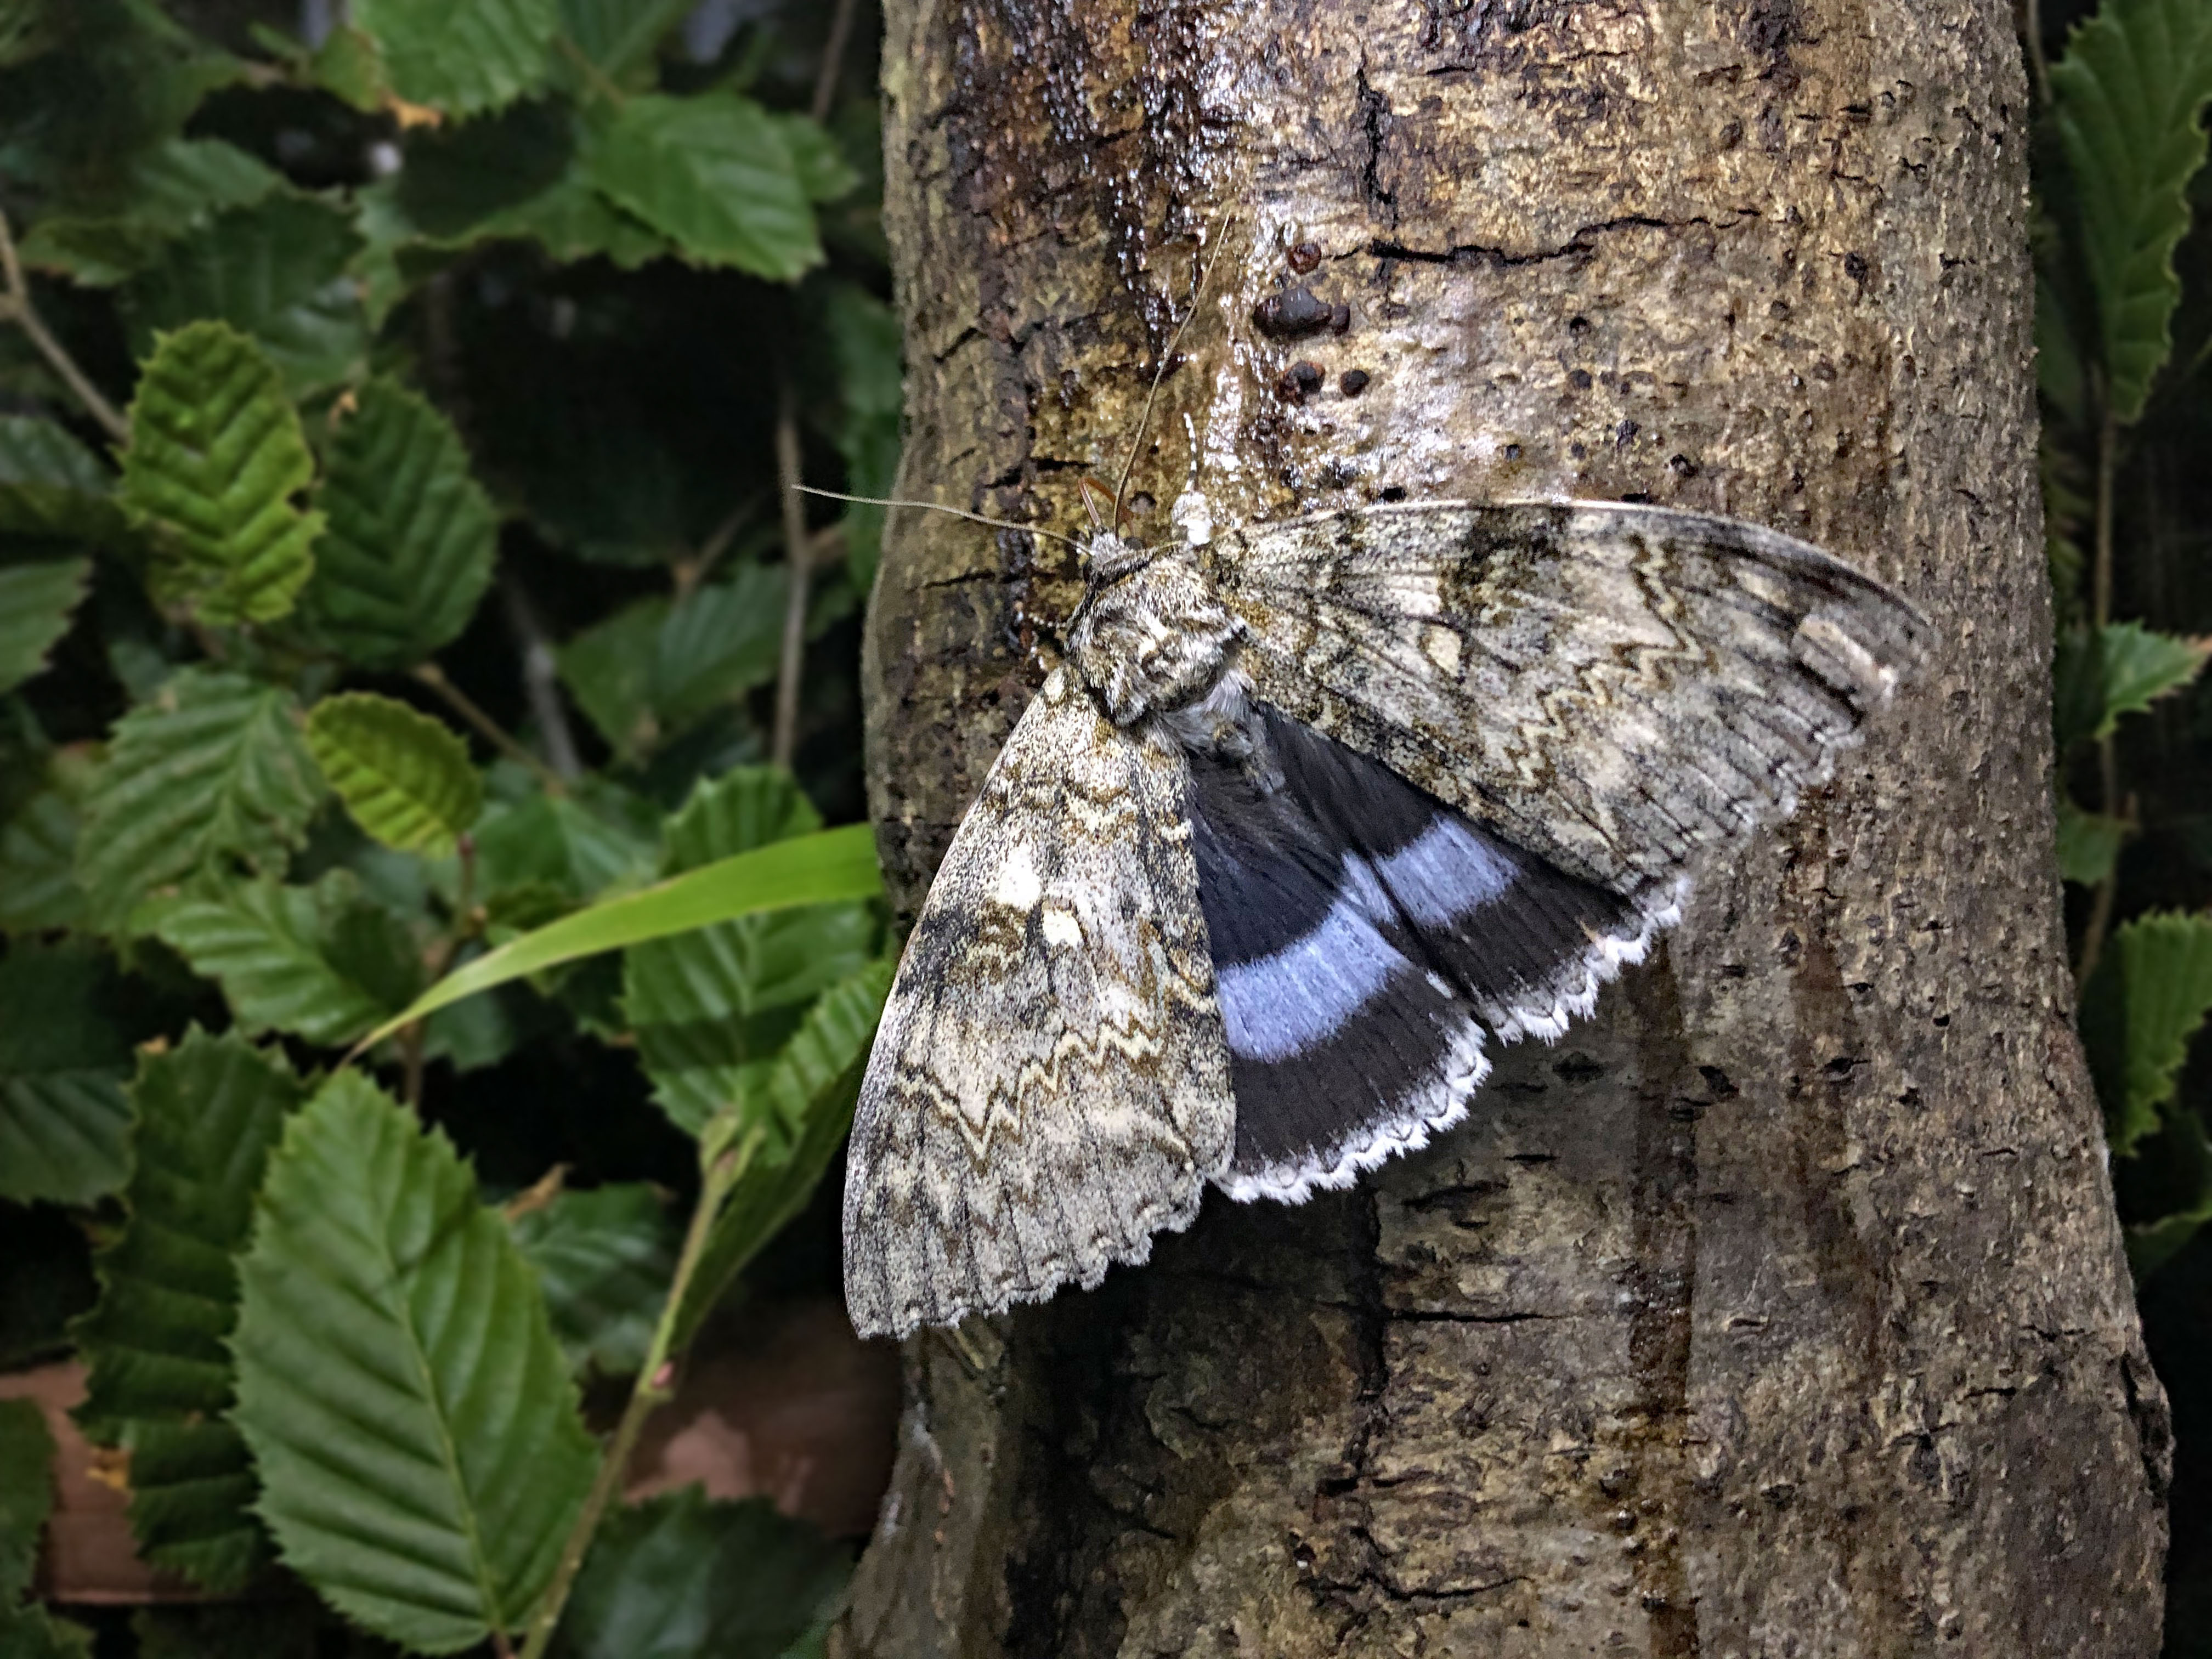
pixel 1781 1308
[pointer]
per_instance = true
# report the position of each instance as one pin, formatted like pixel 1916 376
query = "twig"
pixel 832 54
pixel 15 307
pixel 541 680
pixel 429 674
pixel 653 1387
pixel 2108 762
pixel 689 572
pixel 801 565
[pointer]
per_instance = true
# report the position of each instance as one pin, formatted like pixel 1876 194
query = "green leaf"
pixel 708 1007
pixel 785 1127
pixel 680 1576
pixel 823 173
pixel 408 552
pixel 64 1124
pixel 416 1430
pixel 160 193
pixel 655 668
pixel 461 56
pixel 27 1494
pixel 2188 1159
pixel 216 454
pixel 2146 1001
pixel 349 67
pixel 597 837
pixel 2099 676
pixel 605 1258
pixel 317 961
pixel 2088 844
pixel 51 487
pixel 405 777
pixel 865 342
pixel 833 864
pixel 36 601
pixel 278 271
pixel 38 853
pixel 714 173
pixel 212 772
pixel 619 36
pixel 2140 666
pixel 2128 98
pixel 207 1114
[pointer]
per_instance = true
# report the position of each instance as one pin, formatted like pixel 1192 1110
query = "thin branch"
pixel 15 307
pixel 429 674
pixel 691 572
pixel 541 680
pixel 832 54
pixel 2108 761
pixel 653 1386
pixel 799 565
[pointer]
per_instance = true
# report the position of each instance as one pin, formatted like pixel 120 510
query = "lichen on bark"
pixel 1781 1308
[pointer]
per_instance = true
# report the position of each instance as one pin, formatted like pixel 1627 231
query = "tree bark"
pixel 1781 1308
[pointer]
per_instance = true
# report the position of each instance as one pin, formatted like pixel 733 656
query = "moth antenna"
pixel 938 506
pixel 1137 443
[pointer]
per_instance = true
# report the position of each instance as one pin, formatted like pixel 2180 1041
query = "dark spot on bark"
pixel 1299 382
pixel 1580 380
pixel 1577 1067
pixel 1683 466
pixel 1624 434
pixel 1578 327
pixel 1579 450
pixel 1856 267
pixel 1718 1081
pixel 1512 452
pixel 1292 314
pixel 1392 493
pixel 1351 382
pixel 1304 256
pixel 1731 135
pixel 1339 319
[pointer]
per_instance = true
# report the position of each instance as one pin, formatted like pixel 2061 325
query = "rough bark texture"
pixel 1781 1309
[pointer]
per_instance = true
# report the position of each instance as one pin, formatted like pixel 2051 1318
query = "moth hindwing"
pixel 1311 819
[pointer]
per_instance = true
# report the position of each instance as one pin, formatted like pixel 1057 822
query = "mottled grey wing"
pixel 1049 1086
pixel 1608 685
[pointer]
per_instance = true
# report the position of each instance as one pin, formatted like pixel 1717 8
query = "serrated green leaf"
pixel 597 837
pixel 2150 995
pixel 159 195
pixel 823 173
pixel 210 775
pixel 206 1115
pixel 405 777
pixel 713 173
pixel 657 668
pixel 27 1494
pixel 317 961
pixel 2127 99
pixel 36 602
pixel 38 853
pixel 461 56
pixel 785 1125
pixel 710 1006
pixel 278 271
pixel 64 1124
pixel 349 67
pixel 414 1424
pixel 2088 844
pixel 2186 1158
pixel 2142 665
pixel 216 456
pixel 830 865
pixel 411 534
pixel 680 1576
pixel 605 1258
pixel 51 487
pixel 619 36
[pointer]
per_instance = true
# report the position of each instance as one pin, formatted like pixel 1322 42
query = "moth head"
pixel 1106 557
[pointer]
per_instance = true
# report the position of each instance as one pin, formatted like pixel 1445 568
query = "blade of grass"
pixel 832 864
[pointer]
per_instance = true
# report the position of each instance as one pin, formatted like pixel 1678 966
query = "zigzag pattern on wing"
pixel 1609 685
pixel 1050 1085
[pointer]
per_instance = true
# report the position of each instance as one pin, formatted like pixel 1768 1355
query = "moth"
pixel 1310 818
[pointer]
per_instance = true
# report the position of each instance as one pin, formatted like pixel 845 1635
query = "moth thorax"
pixel 1150 635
